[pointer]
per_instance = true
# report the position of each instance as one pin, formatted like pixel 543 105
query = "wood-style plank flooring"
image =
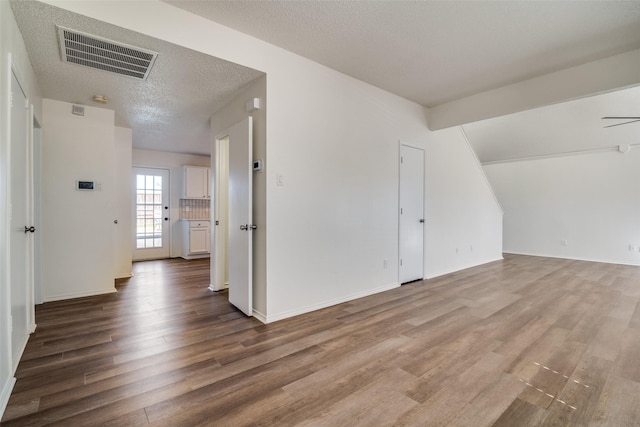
pixel 526 341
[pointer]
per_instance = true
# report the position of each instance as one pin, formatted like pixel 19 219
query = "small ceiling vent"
pixel 96 52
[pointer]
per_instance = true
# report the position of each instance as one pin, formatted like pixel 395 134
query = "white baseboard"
pixel 258 315
pixel 325 304
pixel 61 297
pixel 464 267
pixel 605 261
pixel 7 388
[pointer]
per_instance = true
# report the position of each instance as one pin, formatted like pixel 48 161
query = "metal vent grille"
pixel 107 55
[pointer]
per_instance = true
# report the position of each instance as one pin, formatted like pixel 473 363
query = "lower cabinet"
pixel 196 239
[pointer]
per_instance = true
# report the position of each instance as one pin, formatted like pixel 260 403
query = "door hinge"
pixel 401 212
pixel 401 159
pixel 10 99
pixel 400 262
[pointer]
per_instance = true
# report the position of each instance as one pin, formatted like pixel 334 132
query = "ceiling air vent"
pixel 96 52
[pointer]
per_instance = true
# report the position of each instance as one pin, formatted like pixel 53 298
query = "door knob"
pixel 421 220
pixel 253 226
pixel 31 229
pixel 244 227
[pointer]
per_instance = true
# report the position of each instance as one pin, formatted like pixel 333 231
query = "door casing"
pixel 239 139
pixel 411 214
pixel 165 250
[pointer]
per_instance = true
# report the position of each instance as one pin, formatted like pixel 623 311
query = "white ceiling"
pixel 431 52
pixel 169 111
pixel 562 128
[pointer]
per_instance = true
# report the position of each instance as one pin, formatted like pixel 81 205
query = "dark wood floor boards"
pixel 526 341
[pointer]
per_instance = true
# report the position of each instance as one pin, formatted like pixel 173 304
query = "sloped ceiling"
pixel 568 127
pixel 433 52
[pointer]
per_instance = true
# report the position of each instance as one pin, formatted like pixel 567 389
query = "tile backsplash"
pixel 195 209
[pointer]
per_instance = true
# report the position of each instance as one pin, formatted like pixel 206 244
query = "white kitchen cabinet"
pixel 196 239
pixel 196 182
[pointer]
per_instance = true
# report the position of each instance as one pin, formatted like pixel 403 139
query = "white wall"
pixel 77 226
pixel 590 200
pixel 123 211
pixel 334 140
pixel 173 162
pixel 464 220
pixel 11 43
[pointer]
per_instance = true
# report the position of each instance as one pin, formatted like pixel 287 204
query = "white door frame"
pixel 166 193
pixel 30 325
pixel 240 269
pixel 220 178
pixel 414 224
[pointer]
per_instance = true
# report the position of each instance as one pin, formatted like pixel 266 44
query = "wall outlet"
pixel 563 242
pixel 457 250
pixel 385 264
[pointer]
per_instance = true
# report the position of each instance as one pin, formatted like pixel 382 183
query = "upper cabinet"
pixel 196 182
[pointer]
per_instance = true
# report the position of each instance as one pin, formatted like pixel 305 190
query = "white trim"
pixel 616 148
pixel 424 205
pixel 457 269
pixel 325 304
pixel 217 270
pixel 52 298
pixel 132 185
pixel 603 261
pixel 5 281
pixel 6 393
pixel 22 349
pixel 258 315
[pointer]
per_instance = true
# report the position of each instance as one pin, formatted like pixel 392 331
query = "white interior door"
pixel 411 214
pixel 151 210
pixel 21 221
pixel 240 216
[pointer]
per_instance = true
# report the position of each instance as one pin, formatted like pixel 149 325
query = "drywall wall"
pixel 222 120
pixel 331 220
pixel 77 226
pixel 173 162
pixel 588 200
pixel 11 47
pixel 123 199
pixel 464 219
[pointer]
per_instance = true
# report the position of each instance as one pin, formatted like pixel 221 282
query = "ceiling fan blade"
pixel 622 118
pixel 625 123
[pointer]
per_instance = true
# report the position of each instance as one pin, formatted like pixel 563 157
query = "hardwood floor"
pixel 522 342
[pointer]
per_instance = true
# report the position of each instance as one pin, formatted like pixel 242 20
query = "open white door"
pixel 240 216
pixel 411 214
pixel 21 224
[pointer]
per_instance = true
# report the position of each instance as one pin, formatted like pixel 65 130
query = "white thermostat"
pixel 257 165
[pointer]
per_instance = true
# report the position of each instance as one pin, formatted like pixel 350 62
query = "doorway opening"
pixel 232 263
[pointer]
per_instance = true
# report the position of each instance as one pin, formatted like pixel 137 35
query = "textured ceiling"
pixel 432 52
pixel 561 128
pixel 169 111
